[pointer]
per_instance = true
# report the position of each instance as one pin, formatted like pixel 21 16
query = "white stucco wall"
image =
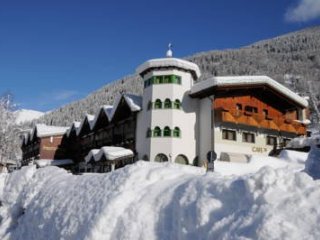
pixel 259 147
pixel 204 128
pixel 184 118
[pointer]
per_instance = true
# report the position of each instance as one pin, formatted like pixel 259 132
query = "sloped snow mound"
pixel 312 166
pixel 301 142
pixel 161 201
pixel 293 157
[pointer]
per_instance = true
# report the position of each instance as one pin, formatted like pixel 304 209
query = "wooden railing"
pixel 259 121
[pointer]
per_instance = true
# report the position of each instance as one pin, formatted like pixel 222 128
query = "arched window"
pixel 149 133
pixel 161 158
pixel 158 104
pixel 149 105
pixel 157 132
pixel 181 159
pixel 177 104
pixel 167 103
pixel 167 132
pixel 176 132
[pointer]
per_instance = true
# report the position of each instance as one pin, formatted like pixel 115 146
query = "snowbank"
pixel 159 201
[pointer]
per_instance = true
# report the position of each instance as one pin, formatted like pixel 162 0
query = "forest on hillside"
pixel 292 59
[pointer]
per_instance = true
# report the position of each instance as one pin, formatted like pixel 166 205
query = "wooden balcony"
pixel 259 121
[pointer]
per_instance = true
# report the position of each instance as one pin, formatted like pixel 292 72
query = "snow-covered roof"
pixel 90 119
pixel 170 62
pixel 51 162
pixel 110 153
pixel 74 125
pixel 91 154
pixel 42 130
pixel 107 109
pixel 133 101
pixel 247 81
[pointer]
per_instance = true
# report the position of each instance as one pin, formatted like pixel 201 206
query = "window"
pixel 248 137
pixel 172 79
pixel 177 104
pixel 162 79
pixel 239 107
pixel 167 103
pixel 158 104
pixel 166 79
pixel 229 135
pixel 157 132
pixel 251 109
pixel 149 132
pixel 149 105
pixel 167 132
pixel 176 132
pixel 271 140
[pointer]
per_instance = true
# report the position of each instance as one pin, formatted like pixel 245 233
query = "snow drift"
pixel 159 201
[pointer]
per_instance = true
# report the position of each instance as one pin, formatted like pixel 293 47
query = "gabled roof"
pixel 43 130
pixel 88 118
pixel 170 62
pixel 134 102
pixel 107 110
pixel 75 125
pixel 109 154
pixel 207 86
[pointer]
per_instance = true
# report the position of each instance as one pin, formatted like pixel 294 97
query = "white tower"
pixel 166 126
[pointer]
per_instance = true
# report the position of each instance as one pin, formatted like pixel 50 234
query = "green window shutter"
pixel 176 132
pixel 167 103
pixel 157 132
pixel 158 104
pixel 177 104
pixel 167 132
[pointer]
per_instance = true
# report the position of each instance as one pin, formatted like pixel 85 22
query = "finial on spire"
pixel 169 52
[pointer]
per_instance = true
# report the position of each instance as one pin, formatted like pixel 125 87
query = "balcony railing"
pixel 260 121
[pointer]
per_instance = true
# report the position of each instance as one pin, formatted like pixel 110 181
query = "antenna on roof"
pixel 169 52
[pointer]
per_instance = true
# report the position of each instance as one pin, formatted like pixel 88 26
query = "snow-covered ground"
pixel 164 201
pixel 26 115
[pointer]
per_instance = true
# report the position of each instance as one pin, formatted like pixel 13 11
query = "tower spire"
pixel 169 52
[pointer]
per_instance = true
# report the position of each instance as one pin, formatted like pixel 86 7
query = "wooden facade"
pixel 120 132
pixel 262 111
pixel 47 147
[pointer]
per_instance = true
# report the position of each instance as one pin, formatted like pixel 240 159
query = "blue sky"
pixel 54 52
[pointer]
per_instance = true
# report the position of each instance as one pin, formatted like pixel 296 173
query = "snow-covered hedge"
pixel 159 201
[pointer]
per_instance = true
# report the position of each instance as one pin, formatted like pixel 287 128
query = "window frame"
pixel 248 137
pixel 227 135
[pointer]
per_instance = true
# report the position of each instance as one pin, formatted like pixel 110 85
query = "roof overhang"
pixel 167 63
pixel 212 85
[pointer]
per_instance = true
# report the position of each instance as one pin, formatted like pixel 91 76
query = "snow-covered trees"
pixel 8 130
pixel 295 54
